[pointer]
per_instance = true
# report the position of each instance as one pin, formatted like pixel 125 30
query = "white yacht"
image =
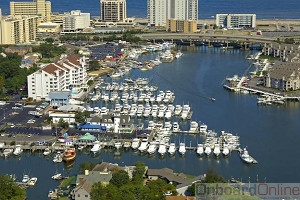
pixel 200 149
pixel 225 151
pixel 203 128
pixel 194 126
pixel 151 125
pixel 152 148
pixel 118 145
pixel 46 152
pixel 162 149
pixel 25 178
pixel 172 149
pixel 96 148
pixel 135 143
pixel 7 152
pixel 104 111
pixel 217 150
pixel 32 181
pixel 178 110
pixel 18 150
pixel 182 149
pixel 168 126
pixel 144 145
pixel 161 114
pixel 246 157
pixel 175 127
pixel 168 114
pixel 207 150
pixel 57 158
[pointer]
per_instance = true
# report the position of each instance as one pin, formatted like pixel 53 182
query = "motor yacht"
pixel 182 149
pixel 135 143
pixel 96 148
pixel 200 149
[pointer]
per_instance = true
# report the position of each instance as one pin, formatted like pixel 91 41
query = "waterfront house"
pixel 85 182
pixel 167 175
pixel 284 76
pixel 111 168
pixel 182 188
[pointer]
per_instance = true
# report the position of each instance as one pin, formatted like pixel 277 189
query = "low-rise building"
pixel 58 99
pixel 236 20
pixel 67 113
pixel 48 27
pixel 282 51
pixel 85 182
pixel 284 76
pixel 68 73
pixel 20 50
pixel 184 26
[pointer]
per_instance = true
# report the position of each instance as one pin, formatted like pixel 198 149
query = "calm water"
pixel 265 9
pixel 270 132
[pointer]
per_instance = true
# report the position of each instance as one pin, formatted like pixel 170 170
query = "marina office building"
pixel 113 10
pixel 41 8
pixel 236 20
pixel 68 72
pixel 18 29
pixel 159 11
pixel 76 21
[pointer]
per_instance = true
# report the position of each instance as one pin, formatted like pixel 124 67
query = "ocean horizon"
pixel 266 9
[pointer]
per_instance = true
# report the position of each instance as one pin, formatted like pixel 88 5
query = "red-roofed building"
pixel 68 72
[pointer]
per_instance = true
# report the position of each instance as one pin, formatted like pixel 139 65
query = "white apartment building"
pixel 159 11
pixel 76 21
pixel 236 20
pixel 37 7
pixel 18 29
pixel 113 10
pixel 68 72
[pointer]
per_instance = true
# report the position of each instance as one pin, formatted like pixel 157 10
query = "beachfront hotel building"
pixel 77 21
pixel 113 10
pixel 159 11
pixel 41 8
pixel 69 72
pixel 18 29
pixel 236 20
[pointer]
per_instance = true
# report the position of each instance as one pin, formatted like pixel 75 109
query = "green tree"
pixel 159 187
pixel 139 172
pixel 206 26
pixel 49 40
pixel 119 178
pixel 62 123
pixel 94 65
pixel 9 190
pixel 102 192
pixel 213 177
pixel 86 166
pixel 90 82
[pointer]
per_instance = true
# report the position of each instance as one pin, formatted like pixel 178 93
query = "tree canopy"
pixel 9 190
pixel 12 76
pixel 121 188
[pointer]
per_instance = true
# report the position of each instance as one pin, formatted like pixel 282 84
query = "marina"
pixel 186 92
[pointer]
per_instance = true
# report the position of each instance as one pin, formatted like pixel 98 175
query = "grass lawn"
pixel 67 182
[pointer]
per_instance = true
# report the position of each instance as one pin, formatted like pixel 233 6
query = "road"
pixel 197 36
